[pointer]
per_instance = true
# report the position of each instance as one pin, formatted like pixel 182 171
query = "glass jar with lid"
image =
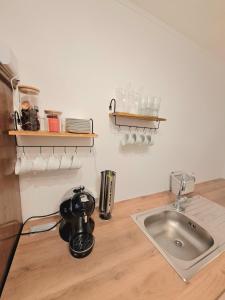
pixel 28 97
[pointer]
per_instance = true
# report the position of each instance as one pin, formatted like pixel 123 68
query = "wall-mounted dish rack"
pixel 115 114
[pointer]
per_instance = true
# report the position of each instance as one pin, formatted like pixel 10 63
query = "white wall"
pixel 77 52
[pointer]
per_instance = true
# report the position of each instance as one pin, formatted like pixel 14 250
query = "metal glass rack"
pixel 115 115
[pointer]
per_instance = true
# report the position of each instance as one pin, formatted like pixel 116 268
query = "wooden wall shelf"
pixel 136 116
pixel 52 134
pixel 155 120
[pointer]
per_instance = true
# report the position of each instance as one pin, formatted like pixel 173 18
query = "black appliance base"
pixel 81 245
pixel 105 216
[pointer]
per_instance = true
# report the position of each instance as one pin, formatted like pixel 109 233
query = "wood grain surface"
pixel 10 206
pixel 41 133
pixel 136 116
pixel 123 265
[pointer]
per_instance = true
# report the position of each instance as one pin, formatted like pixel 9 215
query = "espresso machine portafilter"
pixel 107 193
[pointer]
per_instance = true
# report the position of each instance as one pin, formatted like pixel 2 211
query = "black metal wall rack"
pixel 115 115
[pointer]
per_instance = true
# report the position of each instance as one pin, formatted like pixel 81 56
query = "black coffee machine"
pixel 77 225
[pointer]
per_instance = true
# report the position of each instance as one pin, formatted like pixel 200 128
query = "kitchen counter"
pixel 123 265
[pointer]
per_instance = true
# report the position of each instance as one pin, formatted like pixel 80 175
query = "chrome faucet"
pixel 177 205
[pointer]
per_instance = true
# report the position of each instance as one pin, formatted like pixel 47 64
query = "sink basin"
pixel 179 235
pixel 188 240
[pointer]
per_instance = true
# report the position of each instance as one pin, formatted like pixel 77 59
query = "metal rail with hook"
pixel 55 146
pixel 112 105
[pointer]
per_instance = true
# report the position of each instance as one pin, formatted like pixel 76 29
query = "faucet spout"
pixel 177 204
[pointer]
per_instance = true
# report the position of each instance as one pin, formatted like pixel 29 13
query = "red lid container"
pixel 53 120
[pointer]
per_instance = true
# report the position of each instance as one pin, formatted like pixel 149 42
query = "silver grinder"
pixel 107 193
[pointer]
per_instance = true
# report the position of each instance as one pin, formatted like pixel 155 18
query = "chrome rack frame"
pixel 113 102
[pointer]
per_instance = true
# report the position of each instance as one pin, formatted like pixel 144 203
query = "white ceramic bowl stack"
pixel 77 125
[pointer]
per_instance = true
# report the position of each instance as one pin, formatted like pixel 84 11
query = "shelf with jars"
pixel 27 122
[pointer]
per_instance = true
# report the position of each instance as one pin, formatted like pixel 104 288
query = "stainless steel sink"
pixel 188 240
pixel 179 235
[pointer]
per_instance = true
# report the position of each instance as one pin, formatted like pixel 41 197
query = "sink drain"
pixel 179 243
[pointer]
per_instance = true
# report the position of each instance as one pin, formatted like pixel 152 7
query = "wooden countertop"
pixel 123 265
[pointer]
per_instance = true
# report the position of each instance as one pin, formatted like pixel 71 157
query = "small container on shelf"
pixel 53 120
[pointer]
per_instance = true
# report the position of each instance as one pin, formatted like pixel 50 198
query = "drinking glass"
pixel 155 105
pixel 142 105
pixel 120 99
pixel 133 105
pixel 148 105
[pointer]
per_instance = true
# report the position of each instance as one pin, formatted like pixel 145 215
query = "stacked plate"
pixel 77 125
